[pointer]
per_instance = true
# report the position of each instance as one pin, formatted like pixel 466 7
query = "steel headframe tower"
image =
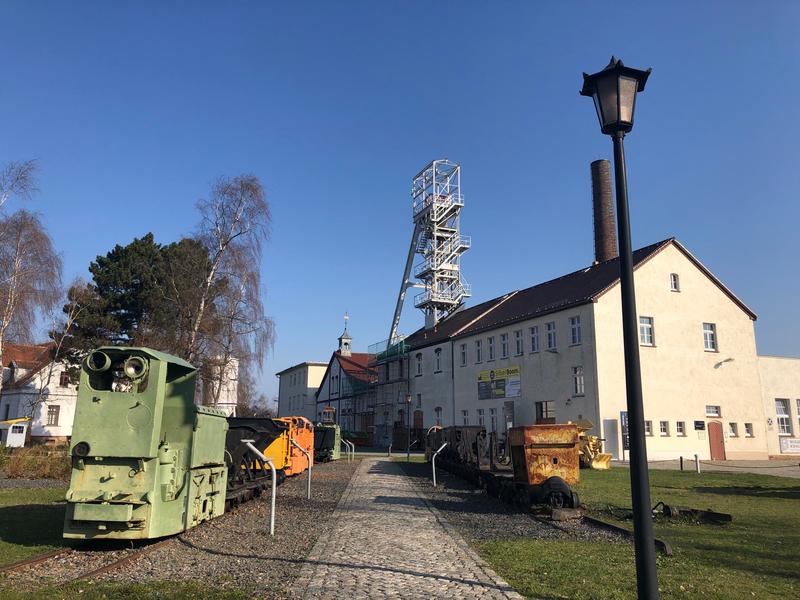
pixel 436 202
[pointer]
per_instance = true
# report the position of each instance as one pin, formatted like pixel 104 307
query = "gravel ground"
pixel 236 550
pixel 6 483
pixel 477 516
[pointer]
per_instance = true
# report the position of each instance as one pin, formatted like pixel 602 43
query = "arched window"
pixel 438 411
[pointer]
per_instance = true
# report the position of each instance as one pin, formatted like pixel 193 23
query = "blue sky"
pixel 133 110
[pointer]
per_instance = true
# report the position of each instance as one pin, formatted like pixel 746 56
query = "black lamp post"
pixel 614 92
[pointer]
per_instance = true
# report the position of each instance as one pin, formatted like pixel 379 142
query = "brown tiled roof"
pixel 574 289
pixel 356 366
pixel 27 356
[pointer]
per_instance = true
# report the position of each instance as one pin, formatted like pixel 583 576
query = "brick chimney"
pixel 605 233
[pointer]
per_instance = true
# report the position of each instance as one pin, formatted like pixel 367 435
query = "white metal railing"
pixel 433 462
pixel 268 461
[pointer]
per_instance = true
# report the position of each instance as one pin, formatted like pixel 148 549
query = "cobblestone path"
pixel 388 542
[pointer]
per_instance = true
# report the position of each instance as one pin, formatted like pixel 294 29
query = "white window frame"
pixel 733 429
pixel 647 331
pixel 575 328
pixel 578 382
pixel 465 416
pixel 419 364
pixel 53 415
pixel 648 428
pixel 463 355
pixel 680 428
pixel 493 418
pixel 480 416
pixel 748 430
pixel 663 428
pixel 503 345
pixel 478 352
pixel 710 343
pixel 490 347
pixel 518 342
pixel 552 342
pixel 783 419
pixel 534 333
pixel 438 355
pixel 716 411
pixel 674 282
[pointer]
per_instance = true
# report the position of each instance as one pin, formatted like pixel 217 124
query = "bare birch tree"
pixel 234 221
pixel 17 179
pixel 30 276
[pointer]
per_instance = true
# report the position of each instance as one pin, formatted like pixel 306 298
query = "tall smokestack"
pixel 605 233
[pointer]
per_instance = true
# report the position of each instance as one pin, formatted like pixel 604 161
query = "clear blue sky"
pixel 133 110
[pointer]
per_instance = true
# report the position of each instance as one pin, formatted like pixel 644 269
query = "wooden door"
pixel 716 441
pixel 417 419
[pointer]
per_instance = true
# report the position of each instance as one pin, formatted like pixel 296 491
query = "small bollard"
pixel 681 463
pixel 389 450
pixel 697 463
pixel 433 462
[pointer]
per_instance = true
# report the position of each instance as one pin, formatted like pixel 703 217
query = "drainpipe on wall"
pixel 453 378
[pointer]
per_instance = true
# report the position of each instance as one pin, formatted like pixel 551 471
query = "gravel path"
pixel 7 483
pixel 237 551
pixel 477 516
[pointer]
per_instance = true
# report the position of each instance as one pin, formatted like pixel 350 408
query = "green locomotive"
pixel 146 461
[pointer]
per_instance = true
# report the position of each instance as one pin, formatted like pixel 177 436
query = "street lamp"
pixel 614 92
pixel 408 417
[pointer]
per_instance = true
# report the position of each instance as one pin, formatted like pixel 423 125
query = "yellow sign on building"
pixel 499 383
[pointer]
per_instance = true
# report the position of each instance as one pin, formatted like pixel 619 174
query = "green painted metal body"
pixel 337 442
pixel 155 462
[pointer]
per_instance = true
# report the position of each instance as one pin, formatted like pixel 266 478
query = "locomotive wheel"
pixel 556 493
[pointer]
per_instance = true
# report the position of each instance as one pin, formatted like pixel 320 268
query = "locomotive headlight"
pixel 98 361
pixel 135 367
pixel 81 449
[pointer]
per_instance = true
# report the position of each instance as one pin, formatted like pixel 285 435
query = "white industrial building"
pixel 554 353
pixel 297 388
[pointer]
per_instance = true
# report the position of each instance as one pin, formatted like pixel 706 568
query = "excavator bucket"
pixel 601 462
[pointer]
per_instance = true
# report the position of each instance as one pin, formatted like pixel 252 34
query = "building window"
pixel 646 333
pixel 419 364
pixel 710 337
pixel 674 282
pixel 663 428
pixel 534 338
pixel 784 420
pixel 575 327
pixel 504 345
pixel 63 379
pixel 17 428
pixel 465 416
pixel 7 409
pixel 713 411
pixel 419 400
pixel 480 416
pixel 551 335
pixel 748 430
pixel 52 415
pixel 518 341
pixel 648 428
pixel 490 347
pixel 438 355
pixel 577 381
pixel 463 355
pixel 478 352
pixel 545 413
pixel 733 429
pixel 680 428
pixel 438 412
pixel 493 418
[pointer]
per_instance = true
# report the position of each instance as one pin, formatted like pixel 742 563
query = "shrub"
pixel 39 462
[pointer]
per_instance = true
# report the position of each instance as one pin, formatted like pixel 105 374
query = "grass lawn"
pixel 31 521
pixel 756 556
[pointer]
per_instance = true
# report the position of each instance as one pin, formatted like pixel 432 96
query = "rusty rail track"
pixel 125 560
pixel 34 560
